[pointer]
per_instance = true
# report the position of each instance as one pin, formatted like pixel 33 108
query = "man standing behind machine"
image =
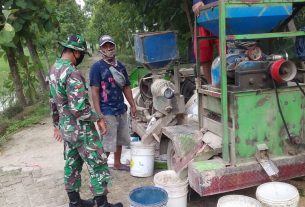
pixel 109 84
pixel 206 47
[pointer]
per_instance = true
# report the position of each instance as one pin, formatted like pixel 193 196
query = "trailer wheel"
pixel 170 155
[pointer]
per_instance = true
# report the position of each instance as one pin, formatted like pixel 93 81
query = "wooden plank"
pixel 156 128
pixel 212 140
pixel 183 137
pixel 215 127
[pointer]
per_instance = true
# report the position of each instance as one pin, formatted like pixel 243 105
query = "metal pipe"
pixel 224 90
pixel 197 67
pixel 197 73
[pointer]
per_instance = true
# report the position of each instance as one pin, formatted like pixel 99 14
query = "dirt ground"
pixel 34 148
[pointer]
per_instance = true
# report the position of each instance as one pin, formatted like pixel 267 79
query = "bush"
pixel 4 124
pixel 31 115
pixel 12 111
pixel 128 60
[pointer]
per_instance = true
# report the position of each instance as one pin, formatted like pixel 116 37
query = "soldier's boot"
pixel 76 201
pixel 102 201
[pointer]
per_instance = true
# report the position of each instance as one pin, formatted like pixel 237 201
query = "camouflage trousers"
pixel 96 162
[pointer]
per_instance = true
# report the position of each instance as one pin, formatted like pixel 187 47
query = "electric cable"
pixel 298 84
pixel 281 112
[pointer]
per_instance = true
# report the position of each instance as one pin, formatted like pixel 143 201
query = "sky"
pixel 80 2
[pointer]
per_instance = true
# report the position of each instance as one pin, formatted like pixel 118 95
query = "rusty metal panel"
pixel 183 137
pixel 225 179
pixel 211 103
pixel 258 120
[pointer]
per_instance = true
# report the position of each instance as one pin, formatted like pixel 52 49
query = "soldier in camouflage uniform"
pixel 74 122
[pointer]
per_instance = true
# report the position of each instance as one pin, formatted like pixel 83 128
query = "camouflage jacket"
pixel 69 102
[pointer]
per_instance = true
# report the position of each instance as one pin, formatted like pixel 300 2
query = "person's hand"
pixel 197 7
pixel 102 126
pixel 133 111
pixel 57 135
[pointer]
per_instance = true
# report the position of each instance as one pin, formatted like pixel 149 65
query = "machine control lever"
pixel 262 156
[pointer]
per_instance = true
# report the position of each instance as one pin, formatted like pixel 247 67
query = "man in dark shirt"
pixel 109 84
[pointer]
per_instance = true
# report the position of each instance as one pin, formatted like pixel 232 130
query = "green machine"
pixel 250 126
pixel 253 112
pixel 251 118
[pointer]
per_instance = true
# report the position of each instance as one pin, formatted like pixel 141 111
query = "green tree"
pixel 28 79
pixel 72 19
pixel 119 20
pixel 7 35
pixel 11 57
pixel 18 19
pixel 122 18
pixel 26 16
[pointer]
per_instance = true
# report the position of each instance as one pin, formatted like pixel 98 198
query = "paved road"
pixel 31 169
pixel 31 188
pixel 31 172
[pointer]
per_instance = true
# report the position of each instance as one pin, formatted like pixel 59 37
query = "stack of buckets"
pixel 176 188
pixel 142 165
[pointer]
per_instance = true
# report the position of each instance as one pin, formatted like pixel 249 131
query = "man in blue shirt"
pixel 109 84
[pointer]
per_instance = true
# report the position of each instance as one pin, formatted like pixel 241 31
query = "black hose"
pixel 281 112
pixel 298 84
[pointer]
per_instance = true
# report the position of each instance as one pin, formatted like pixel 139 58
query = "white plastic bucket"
pixel 238 201
pixel 277 194
pixel 142 159
pixel 175 187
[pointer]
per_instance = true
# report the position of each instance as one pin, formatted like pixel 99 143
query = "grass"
pixel 11 122
pixel 30 116
pixel 160 165
pixel 4 66
pixel 129 61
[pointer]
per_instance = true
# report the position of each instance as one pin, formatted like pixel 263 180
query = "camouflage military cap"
pixel 76 42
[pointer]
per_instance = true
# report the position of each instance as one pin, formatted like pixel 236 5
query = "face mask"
pixel 108 53
pixel 80 59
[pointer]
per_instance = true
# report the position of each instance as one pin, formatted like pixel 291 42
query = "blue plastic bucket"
pixel 148 196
